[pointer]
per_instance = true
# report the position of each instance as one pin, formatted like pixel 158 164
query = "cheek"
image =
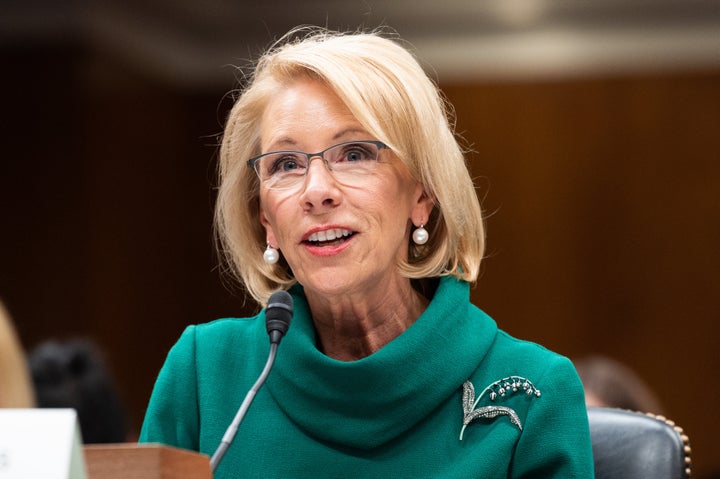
pixel 277 213
pixel 392 204
pixel 397 196
pixel 268 212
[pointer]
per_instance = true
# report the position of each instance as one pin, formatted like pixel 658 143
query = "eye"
pixel 284 163
pixel 357 152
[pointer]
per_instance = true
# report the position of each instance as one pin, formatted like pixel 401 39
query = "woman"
pixel 387 370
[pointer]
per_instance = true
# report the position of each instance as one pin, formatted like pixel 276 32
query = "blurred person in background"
pixel 609 383
pixel 73 374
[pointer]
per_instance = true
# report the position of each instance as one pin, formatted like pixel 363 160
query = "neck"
pixel 349 328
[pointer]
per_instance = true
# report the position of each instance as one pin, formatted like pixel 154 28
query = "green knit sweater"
pixel 397 413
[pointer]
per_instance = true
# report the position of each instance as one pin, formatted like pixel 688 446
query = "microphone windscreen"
pixel 278 312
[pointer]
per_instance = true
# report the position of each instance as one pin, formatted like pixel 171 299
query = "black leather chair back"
pixel 633 445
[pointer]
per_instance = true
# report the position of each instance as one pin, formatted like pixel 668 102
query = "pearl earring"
pixel 420 235
pixel 271 255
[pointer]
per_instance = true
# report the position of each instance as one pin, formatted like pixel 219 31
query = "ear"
pixel 270 233
pixel 424 204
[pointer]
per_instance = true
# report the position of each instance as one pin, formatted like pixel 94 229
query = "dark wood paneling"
pixel 107 195
pixel 603 202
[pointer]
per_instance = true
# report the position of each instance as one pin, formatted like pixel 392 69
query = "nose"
pixel 321 159
pixel 320 189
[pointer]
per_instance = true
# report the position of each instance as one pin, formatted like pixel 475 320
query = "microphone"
pixel 278 314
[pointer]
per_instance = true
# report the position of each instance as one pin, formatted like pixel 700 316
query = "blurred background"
pixel 594 130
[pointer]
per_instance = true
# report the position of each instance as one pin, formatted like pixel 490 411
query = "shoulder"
pixel 205 353
pixel 524 351
pixel 221 328
pixel 219 335
pixel 549 367
pixel 506 348
pixel 510 356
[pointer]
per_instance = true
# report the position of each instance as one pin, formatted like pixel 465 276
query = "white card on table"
pixel 40 444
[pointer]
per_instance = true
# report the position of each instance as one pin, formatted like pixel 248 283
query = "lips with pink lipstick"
pixel 329 237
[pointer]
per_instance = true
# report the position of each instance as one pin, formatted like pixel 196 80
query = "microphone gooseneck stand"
pixel 278 314
pixel 232 429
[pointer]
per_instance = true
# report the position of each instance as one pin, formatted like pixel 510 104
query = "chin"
pixel 329 283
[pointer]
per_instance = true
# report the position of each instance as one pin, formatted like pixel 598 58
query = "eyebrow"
pixel 286 142
pixel 348 130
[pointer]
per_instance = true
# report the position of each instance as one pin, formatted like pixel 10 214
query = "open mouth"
pixel 329 237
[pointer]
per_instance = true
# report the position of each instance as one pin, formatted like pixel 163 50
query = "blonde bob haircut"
pixel 386 89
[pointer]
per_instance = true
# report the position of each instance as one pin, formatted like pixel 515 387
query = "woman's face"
pixel 370 219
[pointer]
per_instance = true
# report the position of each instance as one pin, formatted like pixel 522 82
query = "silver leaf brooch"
pixel 499 389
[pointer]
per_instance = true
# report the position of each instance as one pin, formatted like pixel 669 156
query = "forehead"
pixel 306 113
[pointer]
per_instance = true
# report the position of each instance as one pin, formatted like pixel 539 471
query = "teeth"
pixel 329 235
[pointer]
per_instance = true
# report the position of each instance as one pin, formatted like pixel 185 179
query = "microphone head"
pixel 278 314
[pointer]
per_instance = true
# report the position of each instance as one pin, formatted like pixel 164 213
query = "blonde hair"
pixel 16 388
pixel 388 92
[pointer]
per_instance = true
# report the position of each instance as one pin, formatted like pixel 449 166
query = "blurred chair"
pixel 636 445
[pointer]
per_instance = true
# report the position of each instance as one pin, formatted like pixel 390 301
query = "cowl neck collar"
pixel 370 401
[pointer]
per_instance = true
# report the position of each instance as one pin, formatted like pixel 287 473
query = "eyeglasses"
pixel 349 161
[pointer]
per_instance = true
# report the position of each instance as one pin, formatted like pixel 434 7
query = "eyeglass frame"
pixel 252 162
